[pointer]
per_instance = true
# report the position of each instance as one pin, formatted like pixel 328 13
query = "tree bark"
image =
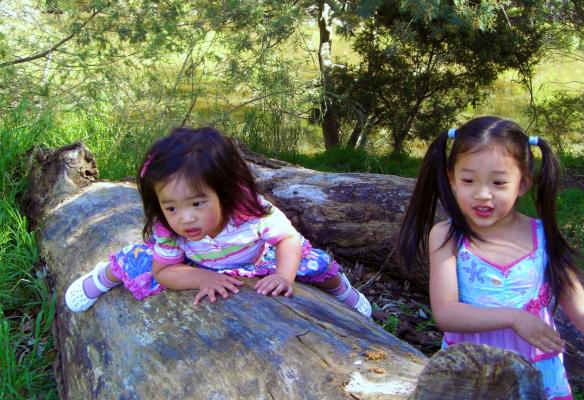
pixel 355 215
pixel 469 371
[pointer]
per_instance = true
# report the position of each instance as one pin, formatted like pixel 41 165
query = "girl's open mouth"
pixel 483 212
pixel 192 232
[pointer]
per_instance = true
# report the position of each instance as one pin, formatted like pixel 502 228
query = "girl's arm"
pixel 452 315
pixel 288 254
pixel 182 276
pixel 572 302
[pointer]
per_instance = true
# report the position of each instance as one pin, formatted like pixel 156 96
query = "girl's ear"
pixel 525 185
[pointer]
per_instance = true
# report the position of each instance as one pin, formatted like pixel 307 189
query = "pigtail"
pixel 561 255
pixel 431 184
pixel 148 195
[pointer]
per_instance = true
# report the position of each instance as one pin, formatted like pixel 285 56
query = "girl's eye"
pixel 467 180
pixel 170 209
pixel 198 204
pixel 499 183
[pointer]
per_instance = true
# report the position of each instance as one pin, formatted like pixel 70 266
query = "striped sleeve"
pixel 275 227
pixel 166 248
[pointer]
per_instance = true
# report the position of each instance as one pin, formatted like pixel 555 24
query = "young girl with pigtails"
pixel 205 225
pixel 496 275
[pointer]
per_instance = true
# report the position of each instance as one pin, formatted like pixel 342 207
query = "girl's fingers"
pixel 555 343
pixel 277 290
pixel 222 292
pixel 271 287
pixel 232 288
pixel 199 297
pixel 274 287
pixel 283 289
pixel 262 286
pixel 550 344
pixel 222 289
pixel 235 281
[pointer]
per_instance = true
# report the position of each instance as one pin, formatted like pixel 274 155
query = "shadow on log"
pixel 246 347
pixel 478 372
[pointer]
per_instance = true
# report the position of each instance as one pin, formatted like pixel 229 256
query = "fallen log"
pixel 246 347
pixel 355 215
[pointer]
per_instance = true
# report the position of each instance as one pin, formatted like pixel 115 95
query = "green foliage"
pixel 561 119
pixel 117 145
pixel 390 324
pixel 571 218
pixel 27 307
pixel 156 65
pixel 570 215
pixel 423 62
pixel 27 354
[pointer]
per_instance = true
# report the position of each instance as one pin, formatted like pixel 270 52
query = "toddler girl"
pixel 205 225
pixel 496 275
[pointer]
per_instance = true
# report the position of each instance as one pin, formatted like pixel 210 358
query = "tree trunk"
pixel 359 133
pixel 330 124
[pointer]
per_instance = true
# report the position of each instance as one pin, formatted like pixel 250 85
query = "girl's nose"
pixel 483 193
pixel 188 216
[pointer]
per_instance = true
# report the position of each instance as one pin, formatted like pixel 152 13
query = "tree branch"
pixel 50 50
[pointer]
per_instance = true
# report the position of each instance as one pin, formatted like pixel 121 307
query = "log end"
pixel 472 371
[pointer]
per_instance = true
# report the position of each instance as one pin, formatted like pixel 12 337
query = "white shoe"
pixel 363 305
pixel 75 297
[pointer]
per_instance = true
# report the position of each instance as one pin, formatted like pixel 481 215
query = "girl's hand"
pixel 537 332
pixel 274 284
pixel 212 283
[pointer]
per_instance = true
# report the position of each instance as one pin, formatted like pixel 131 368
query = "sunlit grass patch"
pixel 354 160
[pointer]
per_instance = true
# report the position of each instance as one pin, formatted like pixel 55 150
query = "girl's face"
pixel 486 185
pixel 191 213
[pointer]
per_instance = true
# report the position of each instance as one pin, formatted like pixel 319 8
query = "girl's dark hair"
pixel 202 156
pixel 433 185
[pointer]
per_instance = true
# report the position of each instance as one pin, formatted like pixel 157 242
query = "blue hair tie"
pixel 533 140
pixel 451 133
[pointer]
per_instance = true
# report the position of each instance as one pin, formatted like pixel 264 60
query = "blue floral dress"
pixel 520 284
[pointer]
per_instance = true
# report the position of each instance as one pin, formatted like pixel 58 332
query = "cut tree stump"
pixel 477 371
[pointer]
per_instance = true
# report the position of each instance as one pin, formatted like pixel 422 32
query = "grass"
pixel 390 324
pixel 27 305
pixel 351 160
pixel 570 216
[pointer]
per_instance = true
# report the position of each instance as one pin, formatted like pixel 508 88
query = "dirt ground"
pixel 401 310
